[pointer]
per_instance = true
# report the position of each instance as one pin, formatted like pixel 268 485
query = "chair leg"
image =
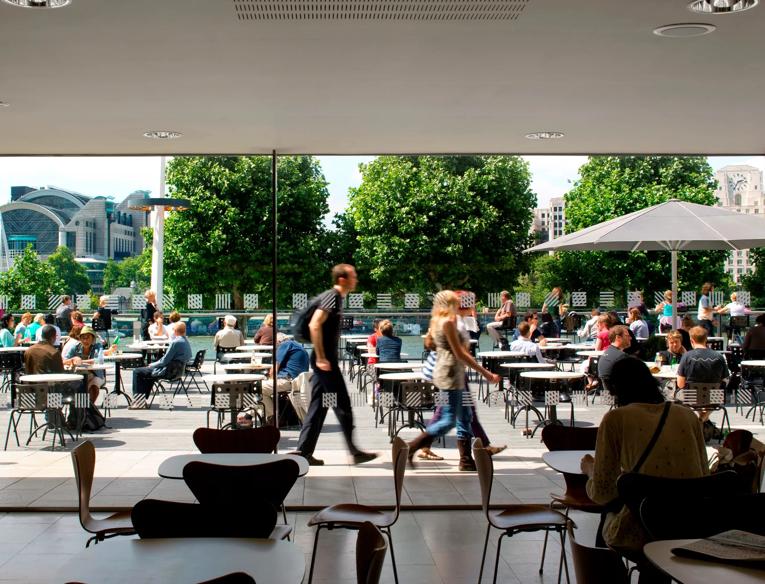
pixel 483 556
pixel 313 555
pixel 496 560
pixel 564 561
pixel 544 551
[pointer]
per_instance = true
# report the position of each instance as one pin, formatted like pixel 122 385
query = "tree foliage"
pixel 755 281
pixel 223 243
pixel 429 222
pixel 73 274
pixel 131 270
pixel 30 275
pixel 612 186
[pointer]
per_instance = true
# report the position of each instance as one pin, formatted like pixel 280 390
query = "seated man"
pixel 620 339
pixel 291 361
pixel 228 337
pixel 701 365
pixel 525 345
pixel 169 366
pixel 43 357
pixel 675 349
pixel 507 310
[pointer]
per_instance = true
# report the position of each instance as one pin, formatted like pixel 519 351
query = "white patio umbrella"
pixel 671 226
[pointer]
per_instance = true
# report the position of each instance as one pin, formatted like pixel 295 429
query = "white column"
pixel 158 240
pixel 61 238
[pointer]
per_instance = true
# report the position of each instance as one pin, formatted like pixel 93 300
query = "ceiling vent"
pixel 380 10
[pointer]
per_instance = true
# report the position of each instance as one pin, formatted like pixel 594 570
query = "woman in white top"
pixel 157 330
pixel 638 326
pixel 734 307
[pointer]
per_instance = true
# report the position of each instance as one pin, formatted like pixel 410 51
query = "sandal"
pixel 492 450
pixel 428 455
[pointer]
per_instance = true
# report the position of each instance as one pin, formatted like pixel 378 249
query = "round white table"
pixel 693 571
pixel 245 366
pixel 185 560
pixel 397 366
pixel 500 354
pixel 13 349
pixel 50 378
pixel 226 357
pixel 753 363
pixel 172 468
pixel 234 377
pixel 528 366
pixel 122 357
pixel 266 349
pixel 553 375
pixel 665 374
pixel 566 461
pixel 589 353
pixel 402 376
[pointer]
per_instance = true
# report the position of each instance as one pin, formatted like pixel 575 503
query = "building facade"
pixel 739 188
pixel 96 229
pixel 549 222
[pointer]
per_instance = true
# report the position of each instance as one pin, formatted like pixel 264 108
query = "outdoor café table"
pixel 118 358
pixel 590 353
pixel 172 468
pixel 693 571
pixel 126 561
pixel 13 349
pixel 233 378
pixel 52 380
pixel 227 357
pixel 551 401
pixel 399 366
pixel 255 348
pixel 556 340
pixel 516 368
pixel 245 367
pixel 393 381
pixel 753 363
pixel 566 461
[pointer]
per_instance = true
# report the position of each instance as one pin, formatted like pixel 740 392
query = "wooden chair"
pixel 353 516
pixel 155 519
pixel 513 518
pixel 272 482
pixel 596 565
pixel 233 578
pixel 251 441
pixel 370 554
pixel 84 461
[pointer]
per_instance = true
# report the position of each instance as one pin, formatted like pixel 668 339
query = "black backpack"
pixel 300 320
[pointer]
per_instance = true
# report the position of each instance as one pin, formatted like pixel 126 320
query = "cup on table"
pixel 256 359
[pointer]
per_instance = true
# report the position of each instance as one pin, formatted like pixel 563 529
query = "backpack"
pixel 300 320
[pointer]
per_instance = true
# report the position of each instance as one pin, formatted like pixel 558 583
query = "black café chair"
pixel 194 371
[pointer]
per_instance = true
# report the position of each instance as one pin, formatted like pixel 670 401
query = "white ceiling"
pixel 92 77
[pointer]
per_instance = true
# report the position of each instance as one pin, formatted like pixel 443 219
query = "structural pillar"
pixel 61 238
pixel 157 252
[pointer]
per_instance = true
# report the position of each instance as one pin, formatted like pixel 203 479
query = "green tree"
pixel 425 223
pixel 223 243
pixel 755 282
pixel 30 275
pixel 612 186
pixel 136 269
pixel 74 274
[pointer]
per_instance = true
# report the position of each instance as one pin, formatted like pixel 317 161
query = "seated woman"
pixel 21 328
pixel 265 334
pixel 638 326
pixel 623 437
pixel 37 323
pixel 602 340
pixel 7 324
pixel 85 350
pixel 175 318
pixel 372 340
pixel 388 346
pixel 158 330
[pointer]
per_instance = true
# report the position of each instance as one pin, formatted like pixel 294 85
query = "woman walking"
pixel 449 377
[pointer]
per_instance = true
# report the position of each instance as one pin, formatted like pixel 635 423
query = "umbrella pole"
pixel 674 289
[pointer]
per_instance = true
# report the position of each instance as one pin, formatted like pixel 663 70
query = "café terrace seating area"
pixel 439 534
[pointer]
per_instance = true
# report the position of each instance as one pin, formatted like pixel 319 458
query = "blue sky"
pixel 119 176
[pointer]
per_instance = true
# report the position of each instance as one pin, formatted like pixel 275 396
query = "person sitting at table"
pixel 532 318
pixel 51 320
pixel 226 338
pixel 174 318
pixel 549 328
pixel 291 361
pixel 623 437
pixel 388 345
pixel 754 341
pixel 169 366
pixel 590 329
pixel 7 324
pixel 638 326
pixel 702 365
pixel 43 357
pixel 619 339
pixel 21 328
pixel 602 340
pixel 265 334
pixel 675 349
pixel 506 311
pixel 37 323
pixel 372 340
pixel 85 350
pixel 524 344
pixel 157 330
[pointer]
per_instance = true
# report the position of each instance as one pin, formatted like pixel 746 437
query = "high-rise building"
pixel 96 229
pixel 739 188
pixel 549 222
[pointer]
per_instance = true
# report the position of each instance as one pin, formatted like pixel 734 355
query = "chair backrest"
pixel 84 462
pixel 702 394
pixel 232 578
pixel 399 455
pixel 32 397
pixel 226 349
pixel 215 484
pixel 251 440
pixel 11 360
pixel 739 321
pixel 485 468
pixel 199 359
pixel 596 565
pixel 239 395
pixel 715 344
pixel 557 437
pixel 417 394
pixel 370 554
pixel 152 519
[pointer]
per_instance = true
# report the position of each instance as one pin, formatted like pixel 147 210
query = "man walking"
pixel 327 378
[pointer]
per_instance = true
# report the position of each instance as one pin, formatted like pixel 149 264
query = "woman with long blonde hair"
pixel 449 376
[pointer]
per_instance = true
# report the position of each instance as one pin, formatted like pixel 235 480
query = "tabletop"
pixel 245 366
pixel 186 560
pixel 528 365
pixel 402 376
pixel 552 374
pixel 90 367
pixel 403 365
pixel 122 356
pixel 592 353
pixel 500 354
pixel 557 340
pixel 172 468
pixel 665 374
pixel 13 349
pixel 50 378
pixel 693 571
pixel 552 347
pixel 753 363
pixel 566 461
pixel 234 377
pixel 236 357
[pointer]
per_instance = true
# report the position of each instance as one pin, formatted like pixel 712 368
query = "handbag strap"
pixel 654 438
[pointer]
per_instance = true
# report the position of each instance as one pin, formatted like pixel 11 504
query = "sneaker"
pixel 362 457
pixel 311 460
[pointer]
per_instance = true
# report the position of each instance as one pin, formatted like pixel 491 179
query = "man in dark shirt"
pixel 43 357
pixel 620 339
pixel 754 342
pixel 701 365
pixel 327 378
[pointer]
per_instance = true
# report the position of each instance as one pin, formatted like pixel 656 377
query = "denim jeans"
pixel 453 415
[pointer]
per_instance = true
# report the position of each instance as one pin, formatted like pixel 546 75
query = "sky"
pixel 552 176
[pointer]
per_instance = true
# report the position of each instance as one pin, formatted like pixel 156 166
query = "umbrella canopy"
pixel 671 226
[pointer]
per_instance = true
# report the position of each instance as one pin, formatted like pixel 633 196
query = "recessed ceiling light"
pixel 162 134
pixel 39 3
pixel 545 135
pixel 721 6
pixel 4 104
pixel 684 30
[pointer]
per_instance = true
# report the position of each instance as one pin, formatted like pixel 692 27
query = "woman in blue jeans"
pixel 449 377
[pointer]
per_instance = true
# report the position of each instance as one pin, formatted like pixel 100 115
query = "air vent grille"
pixel 380 10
